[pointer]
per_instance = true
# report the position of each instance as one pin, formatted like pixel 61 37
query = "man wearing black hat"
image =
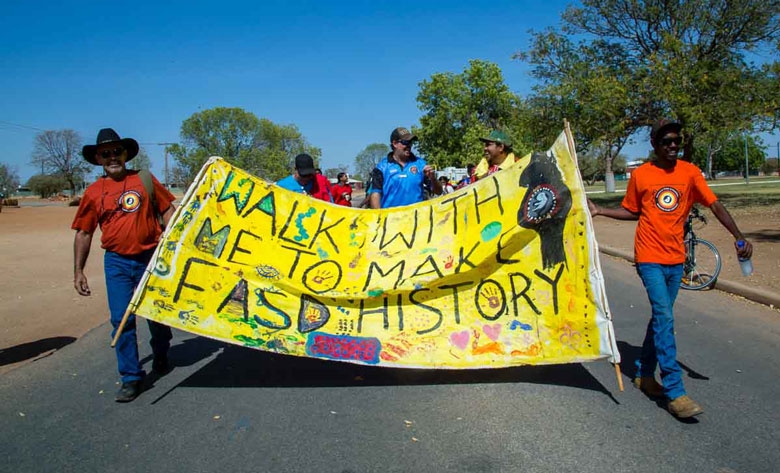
pixel 399 178
pixel 660 195
pixel 119 203
pixel 306 180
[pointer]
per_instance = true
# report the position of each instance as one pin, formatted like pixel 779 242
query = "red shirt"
pixel 663 198
pixel 321 188
pixel 342 195
pixel 123 211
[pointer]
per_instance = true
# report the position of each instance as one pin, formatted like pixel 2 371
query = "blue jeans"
pixel 123 273
pixel 662 282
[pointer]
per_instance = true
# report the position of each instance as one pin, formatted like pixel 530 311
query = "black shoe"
pixel 129 391
pixel 160 365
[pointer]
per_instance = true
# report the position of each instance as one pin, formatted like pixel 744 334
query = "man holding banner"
pixel 121 205
pixel 660 195
pixel 399 178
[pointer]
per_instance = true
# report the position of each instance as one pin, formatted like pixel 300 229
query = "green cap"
pixel 497 136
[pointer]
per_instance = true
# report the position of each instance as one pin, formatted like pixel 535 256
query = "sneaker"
pixel 684 407
pixel 129 391
pixel 160 365
pixel 649 386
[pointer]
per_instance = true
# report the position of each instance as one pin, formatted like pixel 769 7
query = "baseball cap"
pixel 662 125
pixel 402 133
pixel 304 164
pixel 498 136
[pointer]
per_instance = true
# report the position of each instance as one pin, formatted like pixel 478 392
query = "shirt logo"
pixel 130 201
pixel 667 199
pixel 413 170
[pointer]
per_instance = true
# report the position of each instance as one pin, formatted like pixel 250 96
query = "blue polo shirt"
pixel 291 184
pixel 398 184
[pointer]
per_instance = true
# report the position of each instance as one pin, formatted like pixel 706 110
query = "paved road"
pixel 226 408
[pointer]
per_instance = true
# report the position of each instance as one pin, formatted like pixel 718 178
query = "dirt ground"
pixel 760 225
pixel 40 311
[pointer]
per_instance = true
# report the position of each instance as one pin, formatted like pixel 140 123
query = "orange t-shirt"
pixel 123 211
pixel 663 198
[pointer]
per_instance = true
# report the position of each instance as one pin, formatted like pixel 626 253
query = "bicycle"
pixel 702 259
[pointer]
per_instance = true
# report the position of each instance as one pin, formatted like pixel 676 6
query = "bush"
pixel 46 186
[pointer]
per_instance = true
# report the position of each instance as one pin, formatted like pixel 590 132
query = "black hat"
pixel 304 164
pixel 402 134
pixel 108 135
pixel 663 125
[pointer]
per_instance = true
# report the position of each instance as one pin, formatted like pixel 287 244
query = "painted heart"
pixel 460 339
pixel 492 331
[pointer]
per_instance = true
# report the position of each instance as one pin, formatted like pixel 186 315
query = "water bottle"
pixel 744 263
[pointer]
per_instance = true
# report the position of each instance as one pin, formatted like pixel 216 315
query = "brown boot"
pixel 684 407
pixel 649 386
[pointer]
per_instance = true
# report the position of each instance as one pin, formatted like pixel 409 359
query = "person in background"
pixel 342 192
pixel 446 187
pixel 327 181
pixel 399 178
pixel 660 195
pixel 469 177
pixel 498 155
pixel 119 204
pixel 305 179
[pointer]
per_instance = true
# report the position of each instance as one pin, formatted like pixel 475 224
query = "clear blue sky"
pixel 346 73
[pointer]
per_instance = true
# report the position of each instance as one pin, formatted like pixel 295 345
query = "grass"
pixel 762 191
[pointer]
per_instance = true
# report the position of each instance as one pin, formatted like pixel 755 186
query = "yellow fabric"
pixel 453 282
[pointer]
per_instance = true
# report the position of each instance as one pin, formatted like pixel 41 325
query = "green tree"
pixel 47 185
pixel 592 85
pixel 458 109
pixel 687 60
pixel 732 158
pixel 691 58
pixel 770 166
pixel 258 146
pixel 59 152
pixel 366 160
pixel 9 180
pixel 331 173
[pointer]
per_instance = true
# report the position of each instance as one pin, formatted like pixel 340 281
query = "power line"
pixel 3 122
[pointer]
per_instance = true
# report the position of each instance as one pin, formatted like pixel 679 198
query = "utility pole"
pixel 167 185
pixel 165 150
pixel 747 170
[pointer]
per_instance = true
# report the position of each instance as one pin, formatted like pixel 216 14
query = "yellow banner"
pixel 501 273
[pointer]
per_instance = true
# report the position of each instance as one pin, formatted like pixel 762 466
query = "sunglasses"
pixel 107 153
pixel 405 142
pixel 668 141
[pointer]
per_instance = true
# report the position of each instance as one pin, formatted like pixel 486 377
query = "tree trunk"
pixel 609 176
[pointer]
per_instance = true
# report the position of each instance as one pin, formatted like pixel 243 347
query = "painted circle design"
pixel 130 201
pixel 541 203
pixel 667 199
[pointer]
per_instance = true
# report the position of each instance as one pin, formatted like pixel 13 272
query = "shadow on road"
pixel 764 236
pixel 26 351
pixel 629 354
pixel 236 366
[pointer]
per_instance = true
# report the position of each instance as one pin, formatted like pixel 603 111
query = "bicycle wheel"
pixel 702 265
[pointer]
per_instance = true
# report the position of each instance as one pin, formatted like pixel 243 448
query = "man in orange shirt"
pixel 119 204
pixel 660 195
